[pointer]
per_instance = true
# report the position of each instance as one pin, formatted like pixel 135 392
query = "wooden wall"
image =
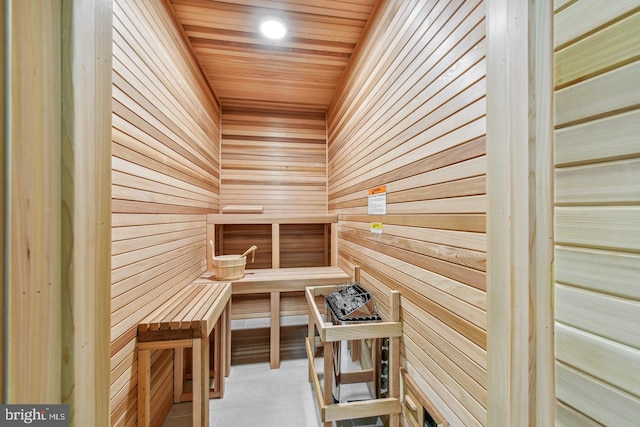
pixel 165 178
pixel 32 284
pixel 410 114
pixel 597 212
pixel 520 351
pixel 274 159
pixel 277 160
pixel 301 245
pixel 56 101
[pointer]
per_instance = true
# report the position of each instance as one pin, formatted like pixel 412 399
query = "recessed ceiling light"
pixel 273 27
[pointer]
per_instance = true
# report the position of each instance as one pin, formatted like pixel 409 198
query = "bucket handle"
pixel 252 249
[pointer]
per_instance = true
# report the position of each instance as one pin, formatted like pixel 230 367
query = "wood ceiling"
pixel 300 72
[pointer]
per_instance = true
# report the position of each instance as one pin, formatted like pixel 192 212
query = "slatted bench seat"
pixel 186 320
pixel 274 282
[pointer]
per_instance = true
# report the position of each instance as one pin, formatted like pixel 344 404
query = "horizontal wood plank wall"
pixel 304 245
pixel 274 159
pixel 597 213
pixel 277 160
pixel 237 238
pixel 166 134
pixel 410 114
pixel 301 245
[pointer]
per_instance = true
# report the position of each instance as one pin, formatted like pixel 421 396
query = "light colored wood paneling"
pixel 612 406
pixel 520 213
pixel 583 143
pixel 605 227
pixel 614 45
pixel 32 284
pixel 55 163
pixel 298 72
pixel 86 225
pixel 607 316
pixel 597 213
pixel 409 114
pixel 588 352
pixel 446 292
pixel 166 133
pixel 274 159
pixel 569 417
pixel 608 183
pixel 610 93
pixel 609 272
pixel 585 17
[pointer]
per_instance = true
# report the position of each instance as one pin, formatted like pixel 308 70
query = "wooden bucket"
pixel 231 267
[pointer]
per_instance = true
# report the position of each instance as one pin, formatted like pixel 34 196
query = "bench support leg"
pixel 275 330
pixel 200 382
pixel 178 374
pixel 144 388
pixel 227 346
pixel 219 355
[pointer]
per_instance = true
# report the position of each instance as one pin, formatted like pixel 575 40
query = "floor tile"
pixel 256 395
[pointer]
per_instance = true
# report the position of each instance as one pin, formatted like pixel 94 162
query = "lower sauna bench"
pixel 187 320
pixel 275 292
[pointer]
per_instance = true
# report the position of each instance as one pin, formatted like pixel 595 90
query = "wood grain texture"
pixel 587 352
pixel 520 213
pixel 586 17
pixel 604 50
pixel 165 169
pixel 597 202
pixel 612 407
pixel 283 240
pixel 299 72
pixel 409 114
pixel 274 159
pixel 86 225
pixel 33 319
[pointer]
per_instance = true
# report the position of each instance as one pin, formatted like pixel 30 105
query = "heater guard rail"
pixel 328 333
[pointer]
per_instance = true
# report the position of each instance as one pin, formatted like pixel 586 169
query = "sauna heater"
pixel 351 303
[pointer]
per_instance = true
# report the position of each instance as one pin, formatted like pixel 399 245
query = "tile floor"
pixel 256 395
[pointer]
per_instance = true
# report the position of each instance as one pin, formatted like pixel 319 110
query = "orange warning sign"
pixel 378 190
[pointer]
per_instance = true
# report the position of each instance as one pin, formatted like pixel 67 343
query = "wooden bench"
pixel 276 281
pixel 186 320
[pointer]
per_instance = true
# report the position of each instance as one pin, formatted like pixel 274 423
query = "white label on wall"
pixel 377 203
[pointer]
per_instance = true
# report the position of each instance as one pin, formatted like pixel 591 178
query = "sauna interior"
pixel 477 163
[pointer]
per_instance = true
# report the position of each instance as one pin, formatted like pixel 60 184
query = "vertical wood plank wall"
pixel 410 114
pixel 166 128
pixel 33 329
pixel 597 212
pixel 274 159
pixel 86 209
pixel 57 138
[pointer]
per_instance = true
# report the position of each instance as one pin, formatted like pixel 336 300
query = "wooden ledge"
pixel 250 218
